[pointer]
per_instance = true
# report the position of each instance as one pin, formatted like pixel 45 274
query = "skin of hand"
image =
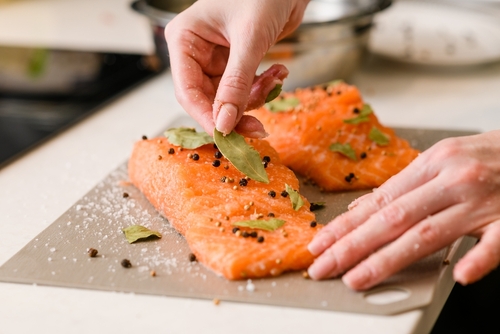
pixel 448 191
pixel 215 47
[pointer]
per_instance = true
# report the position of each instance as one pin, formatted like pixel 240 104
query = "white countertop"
pixel 37 188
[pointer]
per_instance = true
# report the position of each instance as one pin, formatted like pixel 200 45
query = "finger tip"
pixel 226 118
pixel 460 275
pixel 313 273
pixel 314 248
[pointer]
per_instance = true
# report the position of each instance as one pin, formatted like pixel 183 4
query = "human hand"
pixel 450 190
pixel 215 48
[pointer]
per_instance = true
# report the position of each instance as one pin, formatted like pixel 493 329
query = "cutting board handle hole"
pixel 387 296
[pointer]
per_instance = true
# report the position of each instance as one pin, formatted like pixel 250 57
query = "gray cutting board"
pixel 58 255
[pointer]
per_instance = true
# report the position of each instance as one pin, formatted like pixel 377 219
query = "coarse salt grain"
pixel 250 286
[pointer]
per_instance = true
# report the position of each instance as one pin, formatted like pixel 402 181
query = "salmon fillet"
pixel 303 135
pixel 194 197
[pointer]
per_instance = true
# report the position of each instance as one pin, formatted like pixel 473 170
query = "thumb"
pixel 235 85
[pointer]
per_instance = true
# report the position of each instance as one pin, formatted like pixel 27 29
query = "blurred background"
pixel 62 59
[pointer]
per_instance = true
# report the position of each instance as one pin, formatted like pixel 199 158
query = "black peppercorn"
pixel 235 229
pixel 253 234
pixel 215 146
pixel 125 195
pixel 192 257
pixel 313 224
pixel 243 182
pixel 216 163
pixel 144 138
pixel 260 239
pixel 270 214
pixel 245 234
pixel 362 155
pixel 218 155
pixel 171 151
pixel 195 157
pixel 272 193
pixel 266 159
pixel 347 178
pixel 265 164
pixel 284 193
pixel 126 263
pixel 92 252
pixel 356 110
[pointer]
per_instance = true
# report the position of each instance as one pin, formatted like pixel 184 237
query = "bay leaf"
pixel 188 137
pixel 297 201
pixel 243 156
pixel 362 116
pixel 378 137
pixel 274 93
pixel 329 84
pixel 344 149
pixel 268 225
pixel 283 105
pixel 137 232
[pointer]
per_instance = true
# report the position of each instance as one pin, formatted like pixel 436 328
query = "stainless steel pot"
pixel 329 44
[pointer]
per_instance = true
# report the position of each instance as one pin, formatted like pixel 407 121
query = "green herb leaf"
pixel 243 156
pixel 334 83
pixel 38 63
pixel 282 105
pixel 362 117
pixel 344 149
pixel 188 137
pixel 274 93
pixel 268 225
pixel 317 206
pixel 378 137
pixel 137 232
pixel 295 197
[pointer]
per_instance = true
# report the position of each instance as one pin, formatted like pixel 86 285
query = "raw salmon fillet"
pixel 303 134
pixel 192 195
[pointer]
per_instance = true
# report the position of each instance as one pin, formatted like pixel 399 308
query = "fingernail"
pixel 323 267
pixel 352 205
pixel 358 277
pixel 257 134
pixel 460 273
pixel 226 120
pixel 320 243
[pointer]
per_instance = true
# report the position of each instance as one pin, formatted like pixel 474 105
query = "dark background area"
pixel 473 308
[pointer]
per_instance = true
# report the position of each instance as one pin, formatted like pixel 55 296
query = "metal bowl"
pixel 329 44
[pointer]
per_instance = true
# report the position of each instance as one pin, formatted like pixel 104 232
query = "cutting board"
pixel 58 256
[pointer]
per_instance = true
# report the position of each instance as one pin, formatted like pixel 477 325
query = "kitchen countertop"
pixel 41 185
